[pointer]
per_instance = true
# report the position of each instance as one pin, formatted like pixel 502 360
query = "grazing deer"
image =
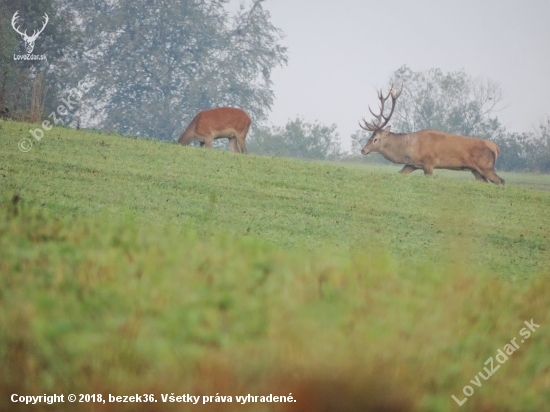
pixel 430 149
pixel 223 122
pixel 29 40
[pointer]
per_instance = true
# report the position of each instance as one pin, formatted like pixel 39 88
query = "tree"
pixel 451 102
pixel 297 138
pixel 526 151
pixel 513 154
pixel 154 64
pixel 537 148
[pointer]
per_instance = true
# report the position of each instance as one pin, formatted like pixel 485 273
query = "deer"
pixel 429 149
pixel 29 40
pixel 219 123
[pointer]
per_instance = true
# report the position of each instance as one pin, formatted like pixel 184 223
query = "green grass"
pixel 288 203
pixel 134 265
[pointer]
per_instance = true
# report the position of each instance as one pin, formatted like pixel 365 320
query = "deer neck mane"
pixel 395 148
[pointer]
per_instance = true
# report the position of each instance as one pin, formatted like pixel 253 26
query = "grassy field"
pixel 139 266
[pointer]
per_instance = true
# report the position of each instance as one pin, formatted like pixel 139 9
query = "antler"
pixel 25 35
pixel 14 22
pixel 378 125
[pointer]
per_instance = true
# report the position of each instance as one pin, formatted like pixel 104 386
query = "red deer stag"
pixel 430 149
pixel 223 122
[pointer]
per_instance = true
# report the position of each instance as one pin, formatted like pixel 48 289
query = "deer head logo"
pixel 29 40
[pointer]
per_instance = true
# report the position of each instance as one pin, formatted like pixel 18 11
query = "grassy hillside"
pixel 138 266
pixel 288 203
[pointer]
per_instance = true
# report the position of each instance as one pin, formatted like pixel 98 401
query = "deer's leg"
pixel 479 176
pixel 207 143
pixel 241 139
pixel 242 144
pixel 493 177
pixel 202 144
pixel 408 169
pixel 234 145
pixel 428 170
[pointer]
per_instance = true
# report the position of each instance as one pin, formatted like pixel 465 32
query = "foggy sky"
pixel 341 51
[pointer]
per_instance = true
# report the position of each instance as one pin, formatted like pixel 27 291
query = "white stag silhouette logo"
pixel 29 40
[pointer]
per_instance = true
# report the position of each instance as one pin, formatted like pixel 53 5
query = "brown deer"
pixel 223 122
pixel 430 149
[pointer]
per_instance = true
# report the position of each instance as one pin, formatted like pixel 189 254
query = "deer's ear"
pixel 388 129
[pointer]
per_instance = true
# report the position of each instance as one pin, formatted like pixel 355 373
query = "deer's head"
pixel 378 126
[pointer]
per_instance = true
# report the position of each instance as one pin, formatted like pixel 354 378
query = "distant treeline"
pixel 525 151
